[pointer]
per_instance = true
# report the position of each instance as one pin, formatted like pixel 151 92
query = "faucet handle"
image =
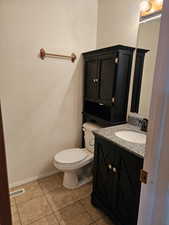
pixel 144 124
pixel 139 124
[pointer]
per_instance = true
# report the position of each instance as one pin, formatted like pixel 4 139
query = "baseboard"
pixel 31 179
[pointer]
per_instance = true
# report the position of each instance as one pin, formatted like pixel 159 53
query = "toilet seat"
pixel 78 164
pixel 70 156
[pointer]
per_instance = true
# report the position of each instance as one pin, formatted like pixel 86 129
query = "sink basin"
pixel 132 136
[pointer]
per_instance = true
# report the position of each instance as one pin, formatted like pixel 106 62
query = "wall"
pixel 148 37
pixel 117 22
pixel 42 100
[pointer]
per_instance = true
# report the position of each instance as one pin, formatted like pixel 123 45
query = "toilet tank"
pixel 89 136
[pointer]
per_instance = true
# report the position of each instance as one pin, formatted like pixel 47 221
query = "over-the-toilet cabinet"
pixel 106 84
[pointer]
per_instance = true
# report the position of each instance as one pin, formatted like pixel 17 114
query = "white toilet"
pixel 76 163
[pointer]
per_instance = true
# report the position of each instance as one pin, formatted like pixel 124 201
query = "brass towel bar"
pixel 44 54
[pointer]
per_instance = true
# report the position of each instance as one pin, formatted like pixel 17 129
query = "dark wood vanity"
pixel 116 182
pixel 107 75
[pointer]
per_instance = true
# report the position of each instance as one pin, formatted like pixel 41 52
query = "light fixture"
pixel 159 1
pixel 145 6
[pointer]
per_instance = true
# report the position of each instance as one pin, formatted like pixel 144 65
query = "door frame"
pixel 154 201
pixel 5 209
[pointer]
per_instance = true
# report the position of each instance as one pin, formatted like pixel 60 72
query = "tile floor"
pixel 47 202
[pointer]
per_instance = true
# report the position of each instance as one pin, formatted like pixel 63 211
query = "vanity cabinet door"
pixel 116 181
pixel 105 184
pixel 107 71
pixel 91 79
pixel 129 187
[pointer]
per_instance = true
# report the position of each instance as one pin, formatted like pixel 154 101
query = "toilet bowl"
pixel 76 163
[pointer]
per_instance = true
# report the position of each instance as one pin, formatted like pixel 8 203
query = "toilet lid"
pixel 70 156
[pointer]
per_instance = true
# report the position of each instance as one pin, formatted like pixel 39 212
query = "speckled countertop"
pixel 109 133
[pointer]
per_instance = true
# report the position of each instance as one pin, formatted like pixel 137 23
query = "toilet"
pixel 76 163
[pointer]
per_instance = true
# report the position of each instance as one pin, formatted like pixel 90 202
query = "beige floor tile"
pixel 48 220
pixel 104 221
pixel 34 210
pixel 74 214
pixel 81 192
pixel 59 198
pixel 93 212
pixel 32 190
pixel 15 216
pixel 12 201
pixel 50 183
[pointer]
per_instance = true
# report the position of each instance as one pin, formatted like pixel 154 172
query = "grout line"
pixel 36 220
pixel 44 195
pixel 31 198
pixel 57 219
pixel 93 221
pixel 18 212
pixel 39 196
pixel 54 213
pixel 24 202
pixel 44 192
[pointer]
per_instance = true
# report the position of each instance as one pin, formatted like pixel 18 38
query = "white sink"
pixel 132 136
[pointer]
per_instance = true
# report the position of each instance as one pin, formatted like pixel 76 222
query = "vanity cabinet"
pixel 116 182
pixel 106 83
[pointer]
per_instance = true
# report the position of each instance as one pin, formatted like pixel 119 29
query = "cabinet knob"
pixel 113 100
pixel 110 166
pixel 95 80
pixel 114 170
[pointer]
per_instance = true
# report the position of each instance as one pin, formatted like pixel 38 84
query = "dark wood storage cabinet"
pixel 106 84
pixel 116 184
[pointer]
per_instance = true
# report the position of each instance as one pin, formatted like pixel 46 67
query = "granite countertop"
pixel 109 133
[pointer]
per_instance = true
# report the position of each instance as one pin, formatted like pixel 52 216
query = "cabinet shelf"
pixel 100 121
pixel 108 103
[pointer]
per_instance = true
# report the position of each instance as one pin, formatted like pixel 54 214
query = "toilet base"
pixel 76 178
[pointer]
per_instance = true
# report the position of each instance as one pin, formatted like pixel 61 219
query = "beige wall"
pixel 148 37
pixel 117 22
pixel 41 100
